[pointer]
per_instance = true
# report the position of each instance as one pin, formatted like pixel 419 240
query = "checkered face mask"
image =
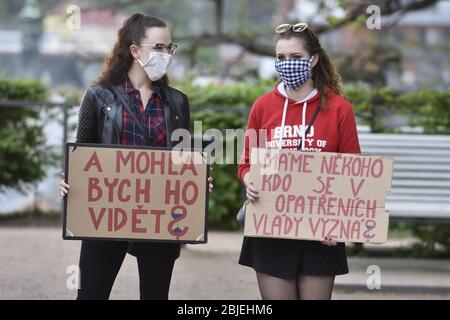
pixel 294 72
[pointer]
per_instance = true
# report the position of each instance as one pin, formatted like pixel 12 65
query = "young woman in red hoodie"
pixel 298 269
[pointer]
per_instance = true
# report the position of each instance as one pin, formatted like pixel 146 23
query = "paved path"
pixel 34 262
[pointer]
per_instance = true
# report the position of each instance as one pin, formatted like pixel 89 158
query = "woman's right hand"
pixel 63 187
pixel 251 191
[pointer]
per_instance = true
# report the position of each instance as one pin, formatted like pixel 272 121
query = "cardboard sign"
pixel 306 195
pixel 133 193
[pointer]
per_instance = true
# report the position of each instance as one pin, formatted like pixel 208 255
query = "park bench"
pixel 421 181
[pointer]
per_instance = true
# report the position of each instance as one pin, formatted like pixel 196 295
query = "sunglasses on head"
pixel 298 27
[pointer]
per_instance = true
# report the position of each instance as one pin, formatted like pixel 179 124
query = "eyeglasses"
pixel 171 48
pixel 298 27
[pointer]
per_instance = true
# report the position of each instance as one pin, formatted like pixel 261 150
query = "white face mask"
pixel 157 65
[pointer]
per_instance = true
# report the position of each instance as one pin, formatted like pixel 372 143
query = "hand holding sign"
pixel 63 187
pixel 250 189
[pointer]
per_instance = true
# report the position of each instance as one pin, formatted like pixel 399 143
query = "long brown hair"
pixel 119 61
pixel 325 77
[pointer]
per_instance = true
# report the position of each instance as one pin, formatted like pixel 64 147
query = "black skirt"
pixel 285 258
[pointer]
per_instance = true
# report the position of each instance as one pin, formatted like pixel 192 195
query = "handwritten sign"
pixel 128 193
pixel 305 195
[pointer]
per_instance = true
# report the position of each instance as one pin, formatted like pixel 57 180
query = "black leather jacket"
pixel 100 117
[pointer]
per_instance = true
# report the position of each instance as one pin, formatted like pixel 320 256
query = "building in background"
pixel 55 51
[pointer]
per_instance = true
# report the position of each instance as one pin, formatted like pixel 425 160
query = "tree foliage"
pixel 23 152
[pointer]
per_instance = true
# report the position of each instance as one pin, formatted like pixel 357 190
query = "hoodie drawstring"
pixel 305 105
pixel 283 122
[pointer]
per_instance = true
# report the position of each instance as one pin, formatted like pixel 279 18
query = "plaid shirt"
pixel 151 117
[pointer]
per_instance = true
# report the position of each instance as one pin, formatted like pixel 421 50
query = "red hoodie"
pixel 333 130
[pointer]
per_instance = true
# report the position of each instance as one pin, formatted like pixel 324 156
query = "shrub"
pixel 23 153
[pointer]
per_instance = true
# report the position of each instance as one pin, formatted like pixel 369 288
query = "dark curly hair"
pixel 324 74
pixel 119 61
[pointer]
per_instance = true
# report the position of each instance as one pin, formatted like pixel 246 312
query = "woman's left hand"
pixel 211 185
pixel 210 180
pixel 329 241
